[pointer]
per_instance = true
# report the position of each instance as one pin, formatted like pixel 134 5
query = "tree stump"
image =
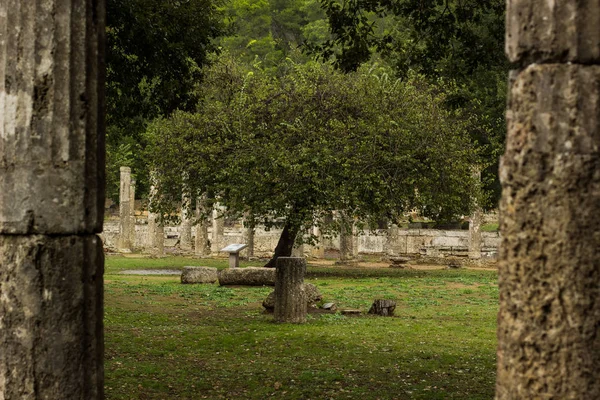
pixel 383 307
pixel 290 297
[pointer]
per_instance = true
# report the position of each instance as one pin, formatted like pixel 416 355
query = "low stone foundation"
pixel 431 243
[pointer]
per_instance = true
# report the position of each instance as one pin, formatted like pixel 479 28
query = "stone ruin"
pixel 140 231
pixel 52 195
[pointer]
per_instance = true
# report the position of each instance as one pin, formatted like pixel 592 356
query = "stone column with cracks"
pixel 125 211
pixel 218 230
pixel 51 199
pixel 318 249
pixel 475 221
pixel 185 236
pixel 132 219
pixel 348 242
pixel 202 247
pixel 549 270
pixel 156 230
pixel 290 297
pixel 248 238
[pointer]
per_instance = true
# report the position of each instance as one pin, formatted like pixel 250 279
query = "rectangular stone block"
pixel 449 241
pixel 414 244
pixel 542 31
pixel 51 341
pixel 51 117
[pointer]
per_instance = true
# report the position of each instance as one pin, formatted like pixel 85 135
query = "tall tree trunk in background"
pixel 285 244
pixel 549 271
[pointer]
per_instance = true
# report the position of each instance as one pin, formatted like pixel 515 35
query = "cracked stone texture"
pixel 290 297
pixel 51 341
pixel 549 270
pixel 547 31
pixel 51 135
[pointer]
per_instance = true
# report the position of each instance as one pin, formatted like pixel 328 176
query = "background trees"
pixel 290 149
pixel 459 41
pixel 155 51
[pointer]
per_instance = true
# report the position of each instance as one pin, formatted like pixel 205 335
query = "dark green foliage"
pixel 292 149
pixel 155 51
pixel 459 41
pixel 267 31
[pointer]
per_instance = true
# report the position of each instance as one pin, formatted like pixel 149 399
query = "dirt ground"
pixel 488 265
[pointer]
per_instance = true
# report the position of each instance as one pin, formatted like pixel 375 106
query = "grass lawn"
pixel 165 340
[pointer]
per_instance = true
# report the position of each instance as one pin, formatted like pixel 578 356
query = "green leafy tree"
pixel 289 150
pixel 268 31
pixel 456 40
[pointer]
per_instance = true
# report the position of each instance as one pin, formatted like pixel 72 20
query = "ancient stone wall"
pixel 426 242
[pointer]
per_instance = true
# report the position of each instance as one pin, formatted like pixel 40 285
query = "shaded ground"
pixel 165 340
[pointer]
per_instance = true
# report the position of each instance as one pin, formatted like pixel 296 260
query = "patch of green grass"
pixel 490 227
pixel 165 340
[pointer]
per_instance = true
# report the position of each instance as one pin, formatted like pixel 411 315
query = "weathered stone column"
pixel 298 250
pixel 185 235
pixel 549 271
pixel 354 240
pixel 290 298
pixel 156 231
pixel 347 241
pixel 218 230
pixel 51 199
pixel 475 234
pixel 318 250
pixel 201 248
pixel 132 218
pixel 125 211
pixel 248 238
pixel 475 221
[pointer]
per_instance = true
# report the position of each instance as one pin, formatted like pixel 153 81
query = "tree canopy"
pixel 290 149
pixel 455 40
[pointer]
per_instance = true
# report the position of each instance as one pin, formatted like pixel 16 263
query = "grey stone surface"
pixel 250 276
pixel 51 164
pixel 313 296
pixel 125 205
pixel 51 199
pixel 185 235
pixel 541 31
pixel 549 310
pixel 218 230
pixel 383 307
pixel 199 275
pixel 156 230
pixel 548 271
pixel 202 245
pixel 290 296
pixel 51 343
pixel 150 272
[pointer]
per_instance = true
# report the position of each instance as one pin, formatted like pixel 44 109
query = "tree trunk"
pixel 285 245
pixel 290 297
pixel 549 317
